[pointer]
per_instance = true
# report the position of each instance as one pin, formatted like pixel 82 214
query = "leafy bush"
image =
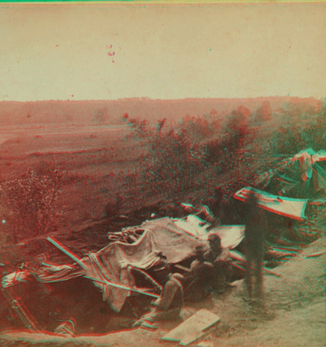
pixel 30 198
pixel 113 206
pixel 216 152
pixel 172 163
pixel 302 127
pixel 200 128
pixel 263 112
pixel 237 131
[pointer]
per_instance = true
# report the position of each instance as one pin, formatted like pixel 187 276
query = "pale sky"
pixel 60 52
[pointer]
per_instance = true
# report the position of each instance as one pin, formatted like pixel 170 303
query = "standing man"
pixel 221 207
pixel 254 245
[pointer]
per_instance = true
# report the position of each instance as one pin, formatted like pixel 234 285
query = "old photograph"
pixel 162 174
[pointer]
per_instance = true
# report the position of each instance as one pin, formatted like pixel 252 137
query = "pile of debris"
pixel 113 288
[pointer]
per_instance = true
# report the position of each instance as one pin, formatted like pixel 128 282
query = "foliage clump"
pixel 301 127
pixel 172 162
pixel 29 199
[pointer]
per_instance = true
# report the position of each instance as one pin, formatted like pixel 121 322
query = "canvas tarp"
pixel 171 239
pixel 305 160
pixel 319 178
pixel 111 263
pixel 14 277
pixel 56 273
pixel 288 207
pixel 193 225
pixel 282 179
pixel 300 176
pixel 230 235
pixel 319 156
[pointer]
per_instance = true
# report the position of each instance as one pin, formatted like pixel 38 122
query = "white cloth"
pixel 292 208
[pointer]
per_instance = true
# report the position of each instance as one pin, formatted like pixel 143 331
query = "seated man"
pixel 220 259
pixel 160 269
pixel 198 283
pixel 288 231
pixel 169 305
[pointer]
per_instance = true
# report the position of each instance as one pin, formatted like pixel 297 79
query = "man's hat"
pixel 213 238
pixel 160 254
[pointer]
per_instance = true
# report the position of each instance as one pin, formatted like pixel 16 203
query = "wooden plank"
pixel 240 266
pixel 193 328
pixel 236 255
pixel 183 268
pixel 315 255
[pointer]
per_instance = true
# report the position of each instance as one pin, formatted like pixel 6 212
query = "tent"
pixel 174 238
pixel 294 189
pixel 298 177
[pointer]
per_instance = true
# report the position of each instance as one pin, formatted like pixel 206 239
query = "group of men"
pixel 210 269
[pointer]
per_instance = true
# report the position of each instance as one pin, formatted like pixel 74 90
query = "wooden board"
pixel 193 328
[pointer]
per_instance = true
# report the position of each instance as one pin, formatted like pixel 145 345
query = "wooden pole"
pixel 67 252
pixel 122 287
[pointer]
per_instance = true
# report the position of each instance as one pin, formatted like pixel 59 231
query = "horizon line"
pixel 167 99
pixel 160 2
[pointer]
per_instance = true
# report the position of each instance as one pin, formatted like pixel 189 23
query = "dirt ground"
pixel 293 314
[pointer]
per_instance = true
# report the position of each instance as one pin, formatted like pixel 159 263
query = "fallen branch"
pixel 314 255
pixel 238 266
